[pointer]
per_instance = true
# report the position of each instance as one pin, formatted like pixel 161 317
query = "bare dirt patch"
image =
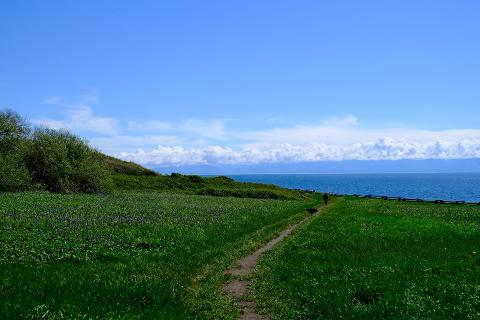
pixel 238 290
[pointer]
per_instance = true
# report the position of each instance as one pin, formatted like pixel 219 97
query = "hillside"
pixel 42 159
pixel 131 176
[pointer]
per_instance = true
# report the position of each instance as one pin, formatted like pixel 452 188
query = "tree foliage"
pixel 14 132
pixel 54 160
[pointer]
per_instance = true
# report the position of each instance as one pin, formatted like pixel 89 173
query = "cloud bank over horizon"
pixel 158 142
pixel 382 149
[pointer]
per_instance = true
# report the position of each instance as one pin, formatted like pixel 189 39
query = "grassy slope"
pixel 373 259
pixel 131 176
pixel 127 255
pixel 124 167
pixel 216 186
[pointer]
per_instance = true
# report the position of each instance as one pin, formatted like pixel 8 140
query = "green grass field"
pixel 127 255
pixel 157 255
pixel 375 259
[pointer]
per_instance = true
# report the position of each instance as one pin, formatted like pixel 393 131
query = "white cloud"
pixel 79 117
pixel 211 141
pixel 53 100
pixel 347 120
pixel 91 98
pixel 212 129
pixel 381 149
pixel 345 136
pixel 149 125
pixel 130 143
pixel 336 139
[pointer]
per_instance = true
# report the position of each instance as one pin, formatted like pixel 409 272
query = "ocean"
pixel 428 186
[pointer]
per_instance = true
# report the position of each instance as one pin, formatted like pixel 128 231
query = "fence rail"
pixel 404 199
pixel 370 196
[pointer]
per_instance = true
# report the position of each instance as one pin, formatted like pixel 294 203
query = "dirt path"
pixel 239 288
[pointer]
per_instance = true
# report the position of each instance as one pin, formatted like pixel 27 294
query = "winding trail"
pixel 239 287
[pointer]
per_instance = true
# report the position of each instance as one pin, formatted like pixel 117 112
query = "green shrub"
pixel 195 179
pixel 14 175
pixel 14 132
pixel 62 162
pixel 222 180
pixel 90 176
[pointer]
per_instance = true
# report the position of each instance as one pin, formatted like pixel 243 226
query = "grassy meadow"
pixel 375 259
pixel 160 255
pixel 127 255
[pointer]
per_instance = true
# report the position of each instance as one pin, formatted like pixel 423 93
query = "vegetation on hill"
pixel 14 131
pixel 115 165
pixel 45 159
pixel 211 186
pixel 58 161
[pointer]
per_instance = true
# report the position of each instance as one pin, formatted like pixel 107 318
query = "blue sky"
pixel 188 82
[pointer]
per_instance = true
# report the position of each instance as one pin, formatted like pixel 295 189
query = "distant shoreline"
pixel 427 186
pixel 333 173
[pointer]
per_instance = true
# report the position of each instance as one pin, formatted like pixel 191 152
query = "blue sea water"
pixel 428 186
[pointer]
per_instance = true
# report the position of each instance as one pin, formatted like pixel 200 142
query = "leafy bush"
pixel 62 162
pixel 14 131
pixel 222 180
pixel 196 179
pixel 90 176
pixel 14 175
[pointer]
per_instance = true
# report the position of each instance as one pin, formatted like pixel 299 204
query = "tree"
pixel 13 130
pixel 62 162
pixel 14 133
pixel 55 160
